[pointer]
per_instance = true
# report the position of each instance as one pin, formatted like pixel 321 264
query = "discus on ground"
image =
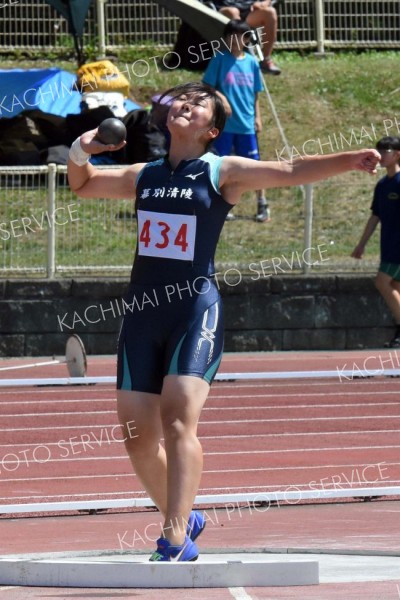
pixel 75 356
pixel 75 359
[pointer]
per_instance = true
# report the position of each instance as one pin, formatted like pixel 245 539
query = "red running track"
pixel 64 443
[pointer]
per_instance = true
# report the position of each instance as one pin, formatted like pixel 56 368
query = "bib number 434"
pixel 166 236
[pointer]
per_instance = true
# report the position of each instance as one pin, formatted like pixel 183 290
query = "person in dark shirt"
pixel 171 339
pixel 386 211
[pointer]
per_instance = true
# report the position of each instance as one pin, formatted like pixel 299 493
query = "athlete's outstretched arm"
pixel 239 175
pixel 89 182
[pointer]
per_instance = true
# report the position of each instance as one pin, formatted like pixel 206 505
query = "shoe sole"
pixel 178 557
pixel 188 560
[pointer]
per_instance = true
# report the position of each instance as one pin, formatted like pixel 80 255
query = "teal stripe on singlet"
pixel 209 375
pixel 127 380
pixel 173 366
pixel 215 163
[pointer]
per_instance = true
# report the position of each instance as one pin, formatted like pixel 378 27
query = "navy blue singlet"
pixel 173 322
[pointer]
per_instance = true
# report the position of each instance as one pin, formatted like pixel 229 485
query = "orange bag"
pixel 102 76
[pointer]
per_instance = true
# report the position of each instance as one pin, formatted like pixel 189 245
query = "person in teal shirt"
pixel 236 75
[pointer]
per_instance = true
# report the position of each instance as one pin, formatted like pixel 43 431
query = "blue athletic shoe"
pixel 188 552
pixel 196 524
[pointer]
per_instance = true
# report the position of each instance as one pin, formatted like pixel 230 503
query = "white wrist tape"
pixel 77 155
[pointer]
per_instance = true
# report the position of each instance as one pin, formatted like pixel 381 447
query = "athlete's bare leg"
pixel 171 477
pixel 139 415
pixel 182 400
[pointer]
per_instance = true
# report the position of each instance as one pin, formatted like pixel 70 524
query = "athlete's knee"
pixel 142 446
pixel 177 428
pixel 174 427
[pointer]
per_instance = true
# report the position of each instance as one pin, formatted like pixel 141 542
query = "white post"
pixel 101 28
pixel 308 217
pixel 51 232
pixel 320 27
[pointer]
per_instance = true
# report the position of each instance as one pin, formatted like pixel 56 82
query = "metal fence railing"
pixel 45 230
pixel 302 24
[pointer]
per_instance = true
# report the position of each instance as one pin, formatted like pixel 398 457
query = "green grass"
pixel 345 101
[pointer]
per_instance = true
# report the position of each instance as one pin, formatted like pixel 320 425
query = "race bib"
pixel 166 236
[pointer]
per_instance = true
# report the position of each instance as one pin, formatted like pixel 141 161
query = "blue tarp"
pixel 50 90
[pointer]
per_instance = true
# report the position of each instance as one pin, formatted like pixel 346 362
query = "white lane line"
pixel 56 428
pixel 297 450
pixel 211 408
pixel 58 414
pixel 306 394
pixel 285 406
pixel 228 437
pixel 230 422
pixel 69 477
pixel 298 468
pixel 39 401
pixel 285 434
pixel 205 472
pixel 299 420
pixel 213 437
pixel 264 389
pixel 202 491
pixel 239 593
pixel 71 391
pixel 124 494
pixel 227 453
pixel 280 386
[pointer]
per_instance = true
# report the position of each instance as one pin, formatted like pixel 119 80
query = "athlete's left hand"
pixel 366 160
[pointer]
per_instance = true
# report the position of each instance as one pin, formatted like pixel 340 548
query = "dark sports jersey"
pixel 386 206
pixel 170 330
pixel 180 214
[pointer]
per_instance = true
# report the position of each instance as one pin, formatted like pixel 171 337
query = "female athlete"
pixel 171 340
